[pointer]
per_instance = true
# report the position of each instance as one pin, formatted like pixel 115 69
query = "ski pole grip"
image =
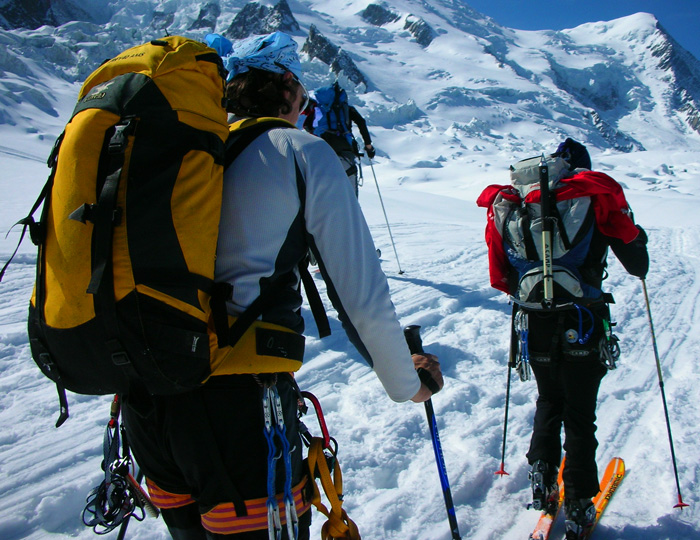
pixel 412 335
pixel 415 345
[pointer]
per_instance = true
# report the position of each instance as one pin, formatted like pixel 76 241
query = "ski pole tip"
pixel 502 471
pixel 680 504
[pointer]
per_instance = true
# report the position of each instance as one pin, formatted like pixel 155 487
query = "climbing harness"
pixel 119 496
pixel 609 344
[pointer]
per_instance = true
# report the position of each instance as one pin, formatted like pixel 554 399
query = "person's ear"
pixel 287 77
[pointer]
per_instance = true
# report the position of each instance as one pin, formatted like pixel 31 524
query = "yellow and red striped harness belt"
pixel 222 519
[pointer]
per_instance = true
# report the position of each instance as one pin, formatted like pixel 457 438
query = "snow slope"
pixel 392 489
pixel 430 173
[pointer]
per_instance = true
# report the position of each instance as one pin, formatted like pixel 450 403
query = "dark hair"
pixel 258 93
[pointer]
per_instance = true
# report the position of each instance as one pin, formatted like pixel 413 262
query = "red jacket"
pixel 612 214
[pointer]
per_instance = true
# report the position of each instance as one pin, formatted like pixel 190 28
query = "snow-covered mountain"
pixel 452 98
pixel 440 68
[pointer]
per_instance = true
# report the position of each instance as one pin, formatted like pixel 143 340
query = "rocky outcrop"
pixel 614 137
pixel 421 30
pixel 684 74
pixel 208 15
pixel 378 15
pixel 254 18
pixel 35 13
pixel 319 46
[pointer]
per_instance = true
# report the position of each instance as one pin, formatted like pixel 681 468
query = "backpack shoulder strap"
pixel 528 240
pixel 315 303
pixel 243 133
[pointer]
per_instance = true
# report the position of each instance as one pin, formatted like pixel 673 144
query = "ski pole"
pixel 511 363
pixel 680 503
pixel 361 179
pixel 415 345
pixel 502 470
pixel 385 218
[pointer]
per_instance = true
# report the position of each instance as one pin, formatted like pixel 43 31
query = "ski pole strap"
pixel 339 526
pixel 427 379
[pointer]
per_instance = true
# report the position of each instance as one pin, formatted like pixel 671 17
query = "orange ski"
pixel 613 475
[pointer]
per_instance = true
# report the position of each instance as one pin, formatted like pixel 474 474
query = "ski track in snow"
pixel 18 153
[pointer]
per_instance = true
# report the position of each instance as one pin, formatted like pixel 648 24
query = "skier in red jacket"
pixel 567 367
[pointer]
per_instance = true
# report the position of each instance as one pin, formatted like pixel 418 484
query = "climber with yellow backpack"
pixel 172 244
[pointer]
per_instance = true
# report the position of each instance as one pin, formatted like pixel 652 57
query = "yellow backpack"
pixel 125 300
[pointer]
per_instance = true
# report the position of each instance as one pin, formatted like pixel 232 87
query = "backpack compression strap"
pixel 36 230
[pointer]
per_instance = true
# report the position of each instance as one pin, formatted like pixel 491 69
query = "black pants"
pixel 210 444
pixel 348 160
pixel 568 391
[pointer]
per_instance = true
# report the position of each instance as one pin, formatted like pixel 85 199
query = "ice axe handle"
pixel 415 345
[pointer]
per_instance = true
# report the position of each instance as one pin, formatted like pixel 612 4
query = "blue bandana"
pixel 219 43
pixel 276 52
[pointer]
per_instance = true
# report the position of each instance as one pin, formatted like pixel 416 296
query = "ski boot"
pixel 545 491
pixel 580 517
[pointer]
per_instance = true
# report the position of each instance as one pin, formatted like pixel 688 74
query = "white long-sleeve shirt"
pixel 285 194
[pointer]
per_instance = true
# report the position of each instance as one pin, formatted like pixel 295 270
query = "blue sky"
pixel 681 18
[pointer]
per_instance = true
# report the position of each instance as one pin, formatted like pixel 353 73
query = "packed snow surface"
pixel 438 147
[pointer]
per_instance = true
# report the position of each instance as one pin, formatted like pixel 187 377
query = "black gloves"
pixel 642 237
pixel 633 256
pixel 370 150
pixel 642 266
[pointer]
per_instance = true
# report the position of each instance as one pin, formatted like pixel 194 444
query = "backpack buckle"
pixel 120 358
pixel 53 156
pixel 119 140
